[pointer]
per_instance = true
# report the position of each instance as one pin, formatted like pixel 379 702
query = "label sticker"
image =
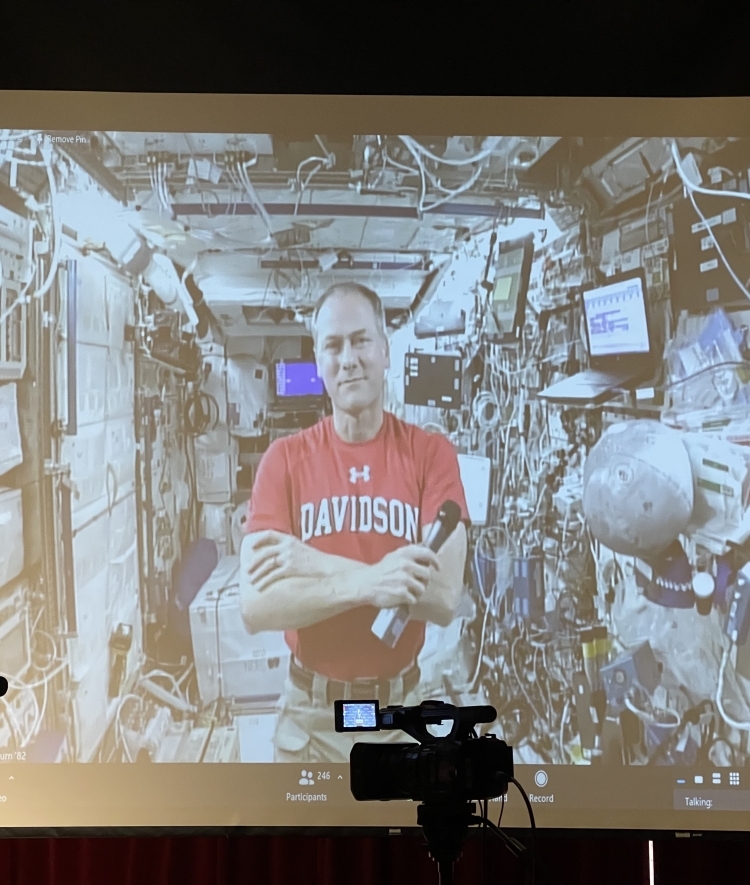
pixel 716 465
pixel 716 487
pixel 711 222
pixel 645 569
pixel 714 425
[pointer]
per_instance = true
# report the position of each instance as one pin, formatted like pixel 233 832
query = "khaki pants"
pixel 305 729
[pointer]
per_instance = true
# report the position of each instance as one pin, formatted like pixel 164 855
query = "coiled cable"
pixel 202 414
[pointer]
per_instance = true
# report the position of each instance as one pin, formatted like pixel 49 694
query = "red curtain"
pixel 311 860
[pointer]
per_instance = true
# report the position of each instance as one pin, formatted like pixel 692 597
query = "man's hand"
pixel 288 585
pixel 269 556
pixel 443 594
pixel 400 577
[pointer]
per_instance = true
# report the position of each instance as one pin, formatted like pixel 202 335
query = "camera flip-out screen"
pixel 356 716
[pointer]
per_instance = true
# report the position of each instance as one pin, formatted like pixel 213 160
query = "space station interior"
pixel 571 313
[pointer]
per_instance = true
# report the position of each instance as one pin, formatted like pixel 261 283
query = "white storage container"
pixel 92 635
pixel 216 466
pixel 11 535
pixel 11 452
pixel 91 306
pixel 223 745
pixel 120 308
pixel 256 736
pixel 91 383
pixel 90 545
pixel 86 454
pixel 229 661
pixel 122 587
pixel 247 392
pixel 122 527
pixel 252 667
pixel 120 384
pixel 120 455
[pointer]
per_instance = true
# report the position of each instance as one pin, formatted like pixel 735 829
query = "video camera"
pixel 446 773
pixel 454 768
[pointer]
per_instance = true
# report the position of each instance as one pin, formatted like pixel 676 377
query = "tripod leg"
pixel 445 872
pixel 445 828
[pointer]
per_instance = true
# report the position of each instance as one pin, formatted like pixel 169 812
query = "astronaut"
pixel 334 526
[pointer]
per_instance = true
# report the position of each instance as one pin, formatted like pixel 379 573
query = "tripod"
pixel 446 825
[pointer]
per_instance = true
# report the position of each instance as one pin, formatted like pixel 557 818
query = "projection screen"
pixel 249 347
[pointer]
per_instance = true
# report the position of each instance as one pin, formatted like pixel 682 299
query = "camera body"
pixel 456 771
pixel 448 769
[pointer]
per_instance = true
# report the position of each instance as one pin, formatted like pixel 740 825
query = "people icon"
pixel 306 780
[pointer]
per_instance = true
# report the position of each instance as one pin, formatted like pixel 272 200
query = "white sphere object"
pixel 638 488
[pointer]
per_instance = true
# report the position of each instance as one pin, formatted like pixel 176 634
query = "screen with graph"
pixel 616 318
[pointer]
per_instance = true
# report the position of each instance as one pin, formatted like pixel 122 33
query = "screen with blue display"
pixel 360 715
pixel 297 379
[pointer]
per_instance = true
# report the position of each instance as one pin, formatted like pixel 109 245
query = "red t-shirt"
pixel 362 501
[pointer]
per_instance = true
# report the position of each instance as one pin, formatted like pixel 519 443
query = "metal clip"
pixel 63 472
pixel 52 469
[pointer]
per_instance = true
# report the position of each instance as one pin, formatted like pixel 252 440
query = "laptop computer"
pixel 617 339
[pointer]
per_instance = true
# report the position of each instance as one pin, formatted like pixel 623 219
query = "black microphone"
pixel 390 622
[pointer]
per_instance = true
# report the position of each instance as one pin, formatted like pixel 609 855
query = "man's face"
pixel 351 352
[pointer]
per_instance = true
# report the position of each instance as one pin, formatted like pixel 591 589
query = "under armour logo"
pixel 363 474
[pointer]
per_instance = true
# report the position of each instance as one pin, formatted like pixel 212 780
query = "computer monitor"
pixel 295 379
pixel 616 318
pixel 510 287
pixel 617 326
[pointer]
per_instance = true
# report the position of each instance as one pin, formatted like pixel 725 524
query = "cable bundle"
pixel 201 414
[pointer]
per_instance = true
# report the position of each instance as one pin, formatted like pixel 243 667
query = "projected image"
pixel 284 422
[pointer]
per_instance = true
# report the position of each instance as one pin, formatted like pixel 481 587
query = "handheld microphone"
pixel 390 622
